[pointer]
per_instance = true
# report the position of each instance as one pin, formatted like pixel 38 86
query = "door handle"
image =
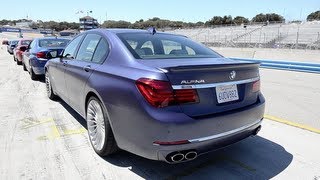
pixel 87 68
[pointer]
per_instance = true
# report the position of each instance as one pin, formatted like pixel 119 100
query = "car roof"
pixel 117 30
pixel 121 30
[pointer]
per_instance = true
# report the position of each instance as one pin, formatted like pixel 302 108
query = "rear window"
pixel 14 42
pixel 26 42
pixel 53 42
pixel 164 46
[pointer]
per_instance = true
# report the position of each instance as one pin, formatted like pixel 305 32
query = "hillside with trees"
pixel 164 23
pixel 314 16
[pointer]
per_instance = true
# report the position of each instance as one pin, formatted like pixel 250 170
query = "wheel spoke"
pixel 95 123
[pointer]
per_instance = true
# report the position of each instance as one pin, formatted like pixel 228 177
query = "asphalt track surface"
pixel 43 139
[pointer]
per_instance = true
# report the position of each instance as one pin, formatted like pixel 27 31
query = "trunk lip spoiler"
pixel 212 67
pixel 211 85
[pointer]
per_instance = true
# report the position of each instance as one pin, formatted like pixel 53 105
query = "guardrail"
pixel 18 30
pixel 286 65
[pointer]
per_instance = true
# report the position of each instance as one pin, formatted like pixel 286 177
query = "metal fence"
pixel 291 35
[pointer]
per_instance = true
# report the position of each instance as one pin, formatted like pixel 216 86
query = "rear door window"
pixel 70 50
pixel 88 46
pixel 101 51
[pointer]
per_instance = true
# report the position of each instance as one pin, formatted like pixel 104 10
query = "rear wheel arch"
pixel 96 95
pixel 91 94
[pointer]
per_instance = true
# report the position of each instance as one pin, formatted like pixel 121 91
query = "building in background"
pixel 87 23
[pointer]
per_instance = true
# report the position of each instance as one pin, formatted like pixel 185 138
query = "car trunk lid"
pixel 222 84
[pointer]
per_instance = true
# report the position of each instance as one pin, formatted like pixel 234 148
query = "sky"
pixel 133 10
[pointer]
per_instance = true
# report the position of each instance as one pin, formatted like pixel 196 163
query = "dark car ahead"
pixel 35 55
pixel 157 95
pixel 18 50
pixel 11 45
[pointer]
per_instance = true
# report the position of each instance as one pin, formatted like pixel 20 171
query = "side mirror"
pixel 52 54
pixel 23 48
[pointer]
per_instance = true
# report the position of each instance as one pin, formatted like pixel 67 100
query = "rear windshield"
pixel 53 42
pixel 25 42
pixel 14 42
pixel 164 46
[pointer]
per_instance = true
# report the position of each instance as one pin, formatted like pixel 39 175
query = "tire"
pixel 99 130
pixel 14 58
pixel 32 74
pixel 24 67
pixel 18 62
pixel 51 95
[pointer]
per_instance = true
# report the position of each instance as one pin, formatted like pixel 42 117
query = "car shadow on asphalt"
pixel 41 79
pixel 252 158
pixel 74 114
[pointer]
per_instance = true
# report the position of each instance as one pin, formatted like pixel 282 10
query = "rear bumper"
pixel 38 70
pixel 38 66
pixel 19 56
pixel 138 133
pixel 210 143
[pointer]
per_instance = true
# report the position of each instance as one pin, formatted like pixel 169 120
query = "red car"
pixel 17 52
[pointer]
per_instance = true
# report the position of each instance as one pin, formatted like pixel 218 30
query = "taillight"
pixel 160 93
pixel 256 86
pixel 41 55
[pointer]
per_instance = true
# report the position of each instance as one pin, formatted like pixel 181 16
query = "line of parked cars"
pixel 32 53
pixel 157 95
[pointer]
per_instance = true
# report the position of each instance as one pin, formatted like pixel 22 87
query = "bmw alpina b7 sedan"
pixel 160 96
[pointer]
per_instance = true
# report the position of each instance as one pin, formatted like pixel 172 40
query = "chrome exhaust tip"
pixel 177 157
pixel 191 155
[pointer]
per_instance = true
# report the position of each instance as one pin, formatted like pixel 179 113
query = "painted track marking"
pixel 294 124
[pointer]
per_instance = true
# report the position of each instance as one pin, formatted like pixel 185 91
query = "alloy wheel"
pixel 48 84
pixel 96 125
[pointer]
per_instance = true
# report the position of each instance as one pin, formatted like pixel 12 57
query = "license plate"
pixel 227 93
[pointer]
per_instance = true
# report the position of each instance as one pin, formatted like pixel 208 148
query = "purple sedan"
pixel 160 96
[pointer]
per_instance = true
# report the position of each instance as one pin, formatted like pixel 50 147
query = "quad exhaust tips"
pixel 177 157
pixel 191 155
pixel 182 156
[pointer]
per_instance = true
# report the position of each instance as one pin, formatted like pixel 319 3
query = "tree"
pixel 227 20
pixel 268 18
pixel 199 23
pixel 216 20
pixel 116 24
pixel 314 16
pixel 240 20
pixel 260 18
